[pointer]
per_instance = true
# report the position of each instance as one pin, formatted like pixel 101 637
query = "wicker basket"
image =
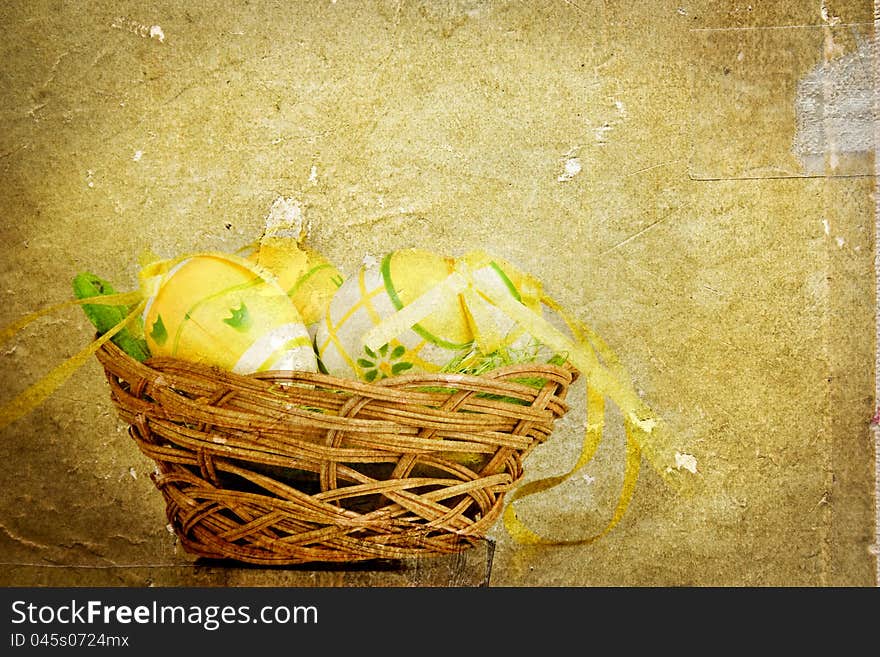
pixel 285 468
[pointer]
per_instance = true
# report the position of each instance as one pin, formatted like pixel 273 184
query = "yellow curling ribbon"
pixel 123 298
pixel 486 334
pixel 605 377
pixel 25 402
pixel 592 439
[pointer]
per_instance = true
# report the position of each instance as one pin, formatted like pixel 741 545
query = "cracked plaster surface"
pixel 564 137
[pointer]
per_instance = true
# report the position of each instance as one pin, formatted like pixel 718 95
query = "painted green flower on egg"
pixel 381 363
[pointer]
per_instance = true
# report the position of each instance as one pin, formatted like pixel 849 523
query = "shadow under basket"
pixel 294 467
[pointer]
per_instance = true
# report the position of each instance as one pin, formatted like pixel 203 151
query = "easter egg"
pixel 223 310
pixel 452 326
pixel 308 278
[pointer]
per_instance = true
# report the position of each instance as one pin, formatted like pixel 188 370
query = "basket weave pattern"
pixel 285 468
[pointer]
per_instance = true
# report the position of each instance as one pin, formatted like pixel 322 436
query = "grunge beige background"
pixel 694 179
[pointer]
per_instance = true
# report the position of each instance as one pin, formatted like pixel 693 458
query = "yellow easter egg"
pixel 222 310
pixel 448 330
pixel 308 278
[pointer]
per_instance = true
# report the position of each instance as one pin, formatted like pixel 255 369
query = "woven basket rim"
pixel 500 372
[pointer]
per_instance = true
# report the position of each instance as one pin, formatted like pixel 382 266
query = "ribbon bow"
pixel 475 282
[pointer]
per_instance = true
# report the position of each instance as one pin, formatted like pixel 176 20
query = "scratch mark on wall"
pixel 53 71
pixel 576 6
pixel 654 166
pixel 21 539
pixel 11 151
pixel 634 236
pixel 756 28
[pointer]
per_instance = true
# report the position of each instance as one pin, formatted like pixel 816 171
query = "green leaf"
pixel 134 347
pixel 370 352
pixel 370 375
pixel 399 351
pixel 104 317
pixel 159 333
pixel 383 349
pixel 239 319
pixel 366 364
pixel 397 368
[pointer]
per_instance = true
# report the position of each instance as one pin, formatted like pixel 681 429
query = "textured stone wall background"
pixel 694 179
